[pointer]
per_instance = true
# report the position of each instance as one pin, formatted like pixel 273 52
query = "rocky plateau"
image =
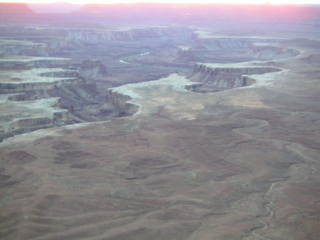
pixel 191 126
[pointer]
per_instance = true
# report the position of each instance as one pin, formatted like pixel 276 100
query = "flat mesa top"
pixel 235 65
pixel 202 34
pixel 176 81
pixel 6 42
pixel 33 75
pixel 24 59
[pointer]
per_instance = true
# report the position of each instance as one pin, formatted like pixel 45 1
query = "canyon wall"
pixel 40 94
pixel 135 34
pixel 212 79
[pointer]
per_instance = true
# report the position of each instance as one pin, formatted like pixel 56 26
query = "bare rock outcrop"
pixel 135 34
pixel 92 70
pixel 212 79
pixel 35 96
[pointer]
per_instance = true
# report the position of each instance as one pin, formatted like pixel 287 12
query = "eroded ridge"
pixel 219 77
pixel 54 91
pixel 43 92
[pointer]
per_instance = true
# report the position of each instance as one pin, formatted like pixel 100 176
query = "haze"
pixel 160 121
pixel 177 1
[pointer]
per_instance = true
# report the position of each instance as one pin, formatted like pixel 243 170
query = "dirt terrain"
pixel 213 148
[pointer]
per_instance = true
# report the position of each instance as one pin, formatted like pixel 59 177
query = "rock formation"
pixel 92 69
pixel 36 97
pixel 131 34
pixel 212 79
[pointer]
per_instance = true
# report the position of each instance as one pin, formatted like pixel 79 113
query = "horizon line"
pixel 160 2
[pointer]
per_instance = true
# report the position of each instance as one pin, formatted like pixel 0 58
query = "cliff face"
pixel 209 48
pixel 92 69
pixel 25 63
pixel 33 97
pixel 124 108
pixel 213 79
pixel 15 48
pixel 25 87
pixel 94 36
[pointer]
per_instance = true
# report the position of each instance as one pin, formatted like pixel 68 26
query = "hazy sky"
pixel 174 1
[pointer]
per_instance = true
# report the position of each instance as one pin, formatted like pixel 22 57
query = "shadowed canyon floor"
pixel 201 148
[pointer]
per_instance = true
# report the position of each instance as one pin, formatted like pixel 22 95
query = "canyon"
pixel 72 90
pixel 185 128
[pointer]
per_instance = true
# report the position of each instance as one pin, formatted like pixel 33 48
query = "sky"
pixel 174 1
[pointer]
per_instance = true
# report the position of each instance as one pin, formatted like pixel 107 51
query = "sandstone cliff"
pixel 220 78
pixel 34 97
pixel 135 34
